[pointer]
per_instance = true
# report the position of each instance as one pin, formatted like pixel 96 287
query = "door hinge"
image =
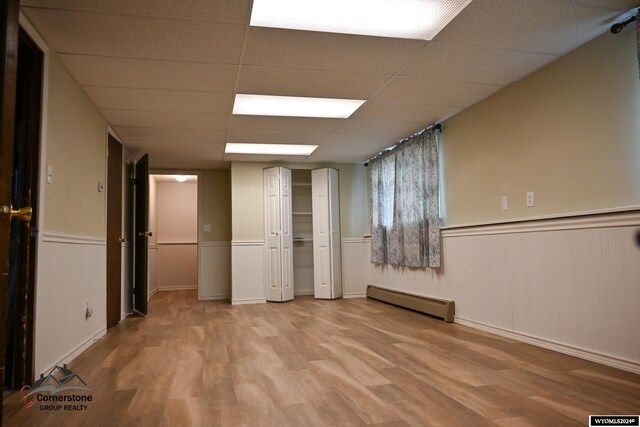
pixel 34 231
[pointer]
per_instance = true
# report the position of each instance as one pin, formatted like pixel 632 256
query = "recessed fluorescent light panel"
pixel 294 106
pixel 405 19
pixel 277 149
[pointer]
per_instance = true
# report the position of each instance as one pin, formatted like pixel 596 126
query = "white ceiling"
pixel 164 73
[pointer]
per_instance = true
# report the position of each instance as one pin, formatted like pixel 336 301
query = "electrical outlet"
pixel 49 174
pixel 505 203
pixel 530 199
pixel 206 228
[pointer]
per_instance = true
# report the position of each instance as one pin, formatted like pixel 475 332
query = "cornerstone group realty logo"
pixel 61 390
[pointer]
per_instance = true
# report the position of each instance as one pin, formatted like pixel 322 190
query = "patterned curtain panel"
pixel 405 223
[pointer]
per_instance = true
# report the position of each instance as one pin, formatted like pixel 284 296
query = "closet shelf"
pixel 302 239
pixel 301 213
pixel 301 184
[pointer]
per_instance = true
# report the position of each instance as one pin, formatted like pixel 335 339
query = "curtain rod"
pixel 617 27
pixel 435 126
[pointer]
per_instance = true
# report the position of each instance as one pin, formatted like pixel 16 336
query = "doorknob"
pixel 145 234
pixel 23 214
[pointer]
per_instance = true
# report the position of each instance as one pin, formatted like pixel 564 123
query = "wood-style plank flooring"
pixel 325 363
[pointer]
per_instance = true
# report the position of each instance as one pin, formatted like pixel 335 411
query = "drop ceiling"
pixel 164 73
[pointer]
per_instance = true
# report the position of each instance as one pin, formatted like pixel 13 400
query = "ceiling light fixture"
pixel 276 149
pixel 181 178
pixel 295 106
pixel 406 19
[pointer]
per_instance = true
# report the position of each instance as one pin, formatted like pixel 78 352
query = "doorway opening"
pixel 173 241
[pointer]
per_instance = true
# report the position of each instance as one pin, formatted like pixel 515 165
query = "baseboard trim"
pixel 593 356
pixel 152 293
pixel 177 288
pixel 248 301
pixel 303 293
pixel 214 297
pixel 68 358
pixel 355 295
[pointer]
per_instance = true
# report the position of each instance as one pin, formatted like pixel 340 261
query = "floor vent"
pixel 445 309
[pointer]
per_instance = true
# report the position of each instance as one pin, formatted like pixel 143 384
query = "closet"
pixel 302 233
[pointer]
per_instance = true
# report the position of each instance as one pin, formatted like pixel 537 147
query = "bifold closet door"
pixel 327 254
pixel 278 234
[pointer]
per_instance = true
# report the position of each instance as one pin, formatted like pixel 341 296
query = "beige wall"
pixel 177 212
pixel 247 198
pixel 570 133
pixel 76 149
pixel 215 205
pixel 153 210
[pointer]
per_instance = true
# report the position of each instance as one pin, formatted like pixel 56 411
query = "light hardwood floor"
pixel 312 362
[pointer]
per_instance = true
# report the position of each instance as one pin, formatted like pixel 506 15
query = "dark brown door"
pixel 114 231
pixel 8 72
pixel 24 199
pixel 142 234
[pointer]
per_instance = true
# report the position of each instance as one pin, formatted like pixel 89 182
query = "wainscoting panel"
pixel 214 276
pixel 177 266
pixel 355 263
pixel 71 274
pixel 126 303
pixel 571 286
pixel 152 270
pixel 247 272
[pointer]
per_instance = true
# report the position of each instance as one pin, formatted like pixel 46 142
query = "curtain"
pixel 405 222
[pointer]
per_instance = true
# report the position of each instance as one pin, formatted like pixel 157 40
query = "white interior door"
pixel 321 239
pixel 327 266
pixel 334 234
pixel 286 219
pixel 272 239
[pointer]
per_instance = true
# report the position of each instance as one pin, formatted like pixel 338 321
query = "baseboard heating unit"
pixel 445 309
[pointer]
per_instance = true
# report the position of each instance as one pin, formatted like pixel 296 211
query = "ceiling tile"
pixel 393 130
pixel 170 135
pixel 326 51
pixel 542 26
pixel 150 74
pixel 432 91
pixel 185 161
pixel 374 142
pixel 313 138
pixel 166 119
pixel 138 37
pixel 339 155
pixel 291 124
pixel 313 83
pixel 175 147
pixel 475 64
pixel 159 100
pixel 403 112
pixel 233 12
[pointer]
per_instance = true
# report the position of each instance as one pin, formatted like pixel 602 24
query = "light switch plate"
pixel 505 202
pixel 530 199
